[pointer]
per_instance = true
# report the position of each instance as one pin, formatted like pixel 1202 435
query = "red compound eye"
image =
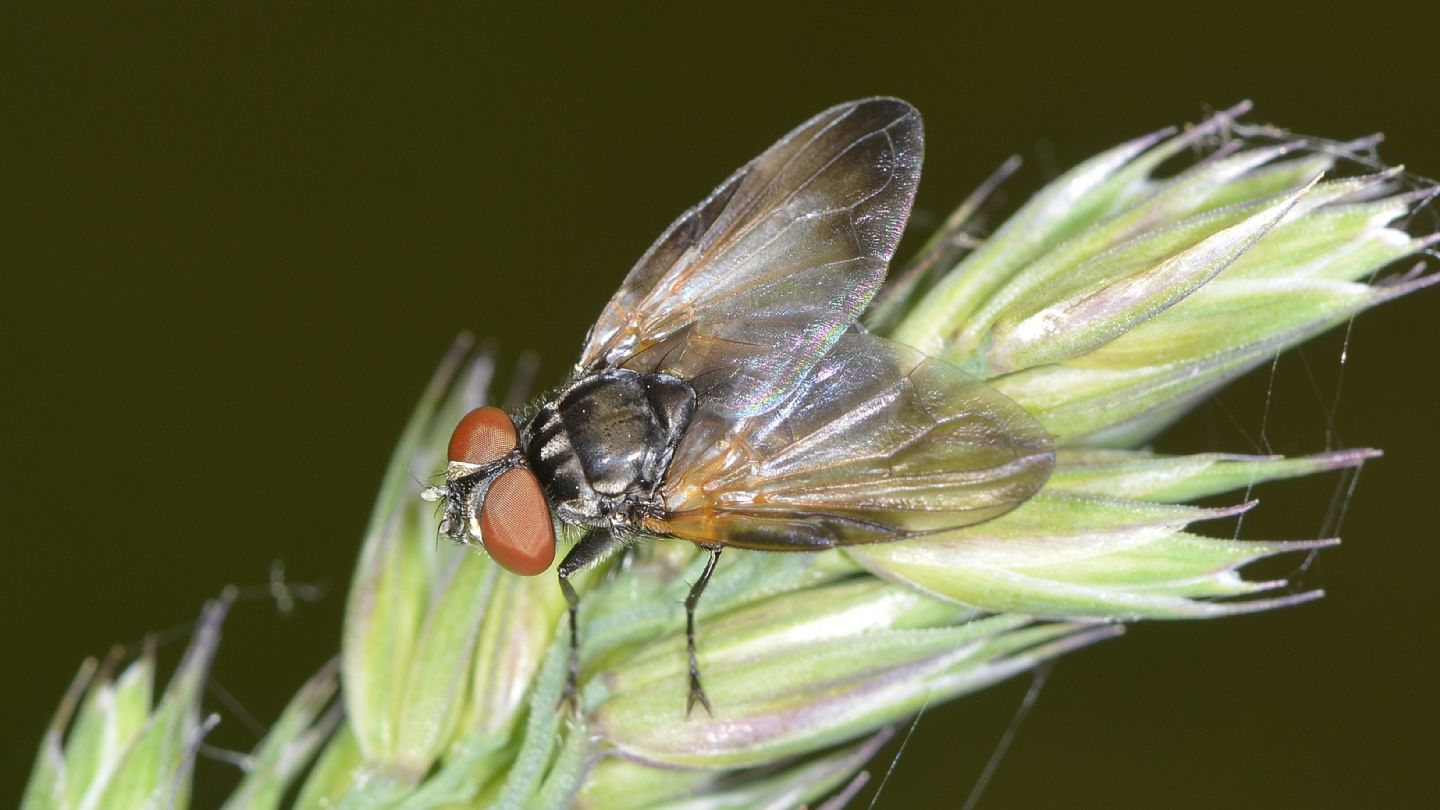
pixel 515 523
pixel 484 435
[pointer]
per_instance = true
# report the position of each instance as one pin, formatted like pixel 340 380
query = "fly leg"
pixel 697 694
pixel 596 545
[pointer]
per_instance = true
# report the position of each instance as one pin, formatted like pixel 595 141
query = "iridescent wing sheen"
pixel 877 443
pixel 764 275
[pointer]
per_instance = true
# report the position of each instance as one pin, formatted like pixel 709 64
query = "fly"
pixel 728 396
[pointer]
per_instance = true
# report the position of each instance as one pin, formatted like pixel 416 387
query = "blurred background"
pixel 236 241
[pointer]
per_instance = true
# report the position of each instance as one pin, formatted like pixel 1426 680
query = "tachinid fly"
pixel 728 395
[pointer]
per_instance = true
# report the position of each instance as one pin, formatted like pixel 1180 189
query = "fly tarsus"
pixel 594 546
pixel 570 696
pixel 697 692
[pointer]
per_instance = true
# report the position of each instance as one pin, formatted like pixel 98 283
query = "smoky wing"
pixel 877 443
pixel 760 279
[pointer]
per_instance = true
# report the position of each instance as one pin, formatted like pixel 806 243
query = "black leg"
pixel 596 545
pixel 697 694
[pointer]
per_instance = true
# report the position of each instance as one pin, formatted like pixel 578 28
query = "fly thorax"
pixel 605 438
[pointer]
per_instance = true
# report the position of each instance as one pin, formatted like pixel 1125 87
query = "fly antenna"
pixel 413 477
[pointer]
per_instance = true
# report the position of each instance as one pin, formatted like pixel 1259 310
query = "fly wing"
pixel 877 443
pixel 762 277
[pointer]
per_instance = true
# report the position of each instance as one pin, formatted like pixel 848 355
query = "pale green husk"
pixel 1108 305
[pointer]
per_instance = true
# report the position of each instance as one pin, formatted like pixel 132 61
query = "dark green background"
pixel 236 241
